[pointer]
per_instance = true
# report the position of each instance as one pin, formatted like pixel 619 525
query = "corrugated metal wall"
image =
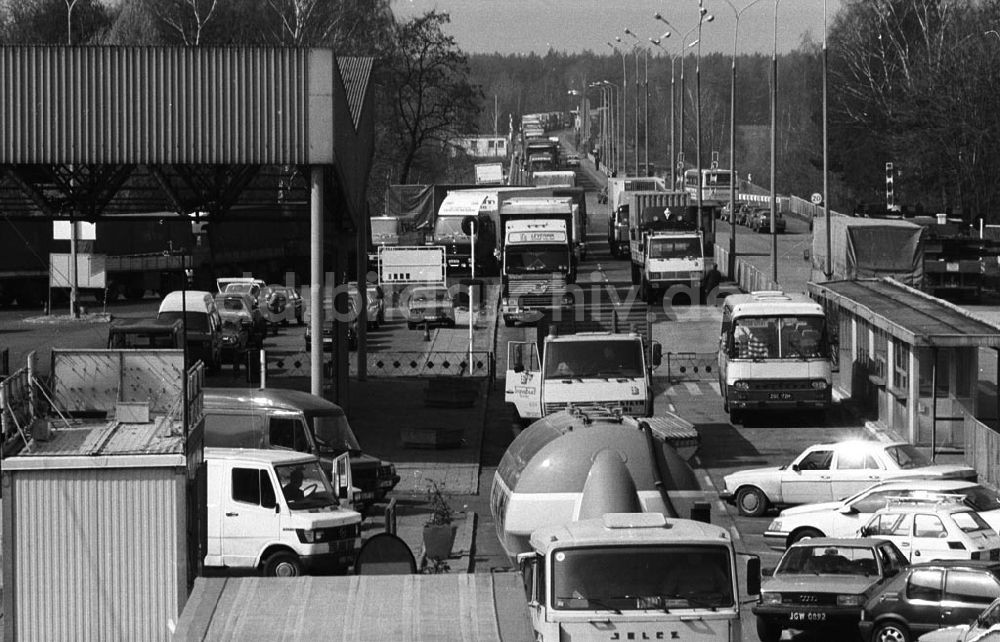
pixel 99 554
pixel 132 105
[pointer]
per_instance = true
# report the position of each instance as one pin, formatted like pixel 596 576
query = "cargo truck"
pixel 858 249
pixel 538 261
pixel 665 247
pixel 618 208
pixel 596 370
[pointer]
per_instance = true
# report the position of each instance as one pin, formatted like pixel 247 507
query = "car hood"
pixel 822 583
pixel 805 509
pixel 748 475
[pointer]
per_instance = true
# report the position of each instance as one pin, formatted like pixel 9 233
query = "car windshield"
pixel 532 259
pixel 780 337
pixel 632 578
pixel 196 321
pixel 333 434
pixel 828 560
pixel 242 288
pixel 305 486
pixel 602 359
pixel 907 456
pixel 980 498
pixel 674 249
pixel 970 521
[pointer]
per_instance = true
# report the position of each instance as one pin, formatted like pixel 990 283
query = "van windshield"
pixel 333 434
pixel 196 321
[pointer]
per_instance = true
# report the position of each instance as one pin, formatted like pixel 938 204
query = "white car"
pixel 934 530
pixel 985 628
pixel 843 518
pixel 824 472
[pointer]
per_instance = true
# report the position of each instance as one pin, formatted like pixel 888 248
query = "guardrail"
pixel 15 408
pixel 982 449
pixel 691 366
pixel 393 364
pixel 747 276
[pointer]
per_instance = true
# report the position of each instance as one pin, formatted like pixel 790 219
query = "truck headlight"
pixel 848 600
pixel 770 598
pixel 819 384
pixel 741 385
pixel 308 536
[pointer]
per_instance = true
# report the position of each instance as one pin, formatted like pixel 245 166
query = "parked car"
pixel 822 584
pixel 927 596
pixel 281 304
pixel 375 303
pixel 985 628
pixel 352 328
pixel 824 472
pixel 843 518
pixel 572 160
pixel 431 305
pixel 240 306
pixel 203 324
pixel 934 529
pixel 235 340
pixel 743 213
pixel 760 221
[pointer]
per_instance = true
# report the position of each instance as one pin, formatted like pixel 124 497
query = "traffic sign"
pixel 816 198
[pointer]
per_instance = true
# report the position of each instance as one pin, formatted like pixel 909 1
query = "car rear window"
pixel 970 522
pixel 980 498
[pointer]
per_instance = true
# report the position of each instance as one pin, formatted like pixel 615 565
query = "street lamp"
pixel 774 147
pixel 645 107
pixel 624 97
pixel 680 50
pixel 733 182
pixel 607 120
pixel 670 155
pixel 828 266
pixel 635 111
pixel 703 16
pixel 613 123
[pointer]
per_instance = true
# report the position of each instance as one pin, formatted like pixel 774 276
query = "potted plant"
pixel 439 532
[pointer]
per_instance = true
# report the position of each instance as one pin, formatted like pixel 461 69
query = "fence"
pixel 393 364
pixel 15 408
pixel 747 277
pixel 982 449
pixel 691 366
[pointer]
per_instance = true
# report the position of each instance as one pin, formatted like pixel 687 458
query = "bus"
pixel 716 186
pixel 774 353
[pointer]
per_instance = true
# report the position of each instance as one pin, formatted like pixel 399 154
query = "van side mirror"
pixel 657 354
pixel 753 574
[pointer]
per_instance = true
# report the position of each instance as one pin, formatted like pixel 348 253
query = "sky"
pixel 572 26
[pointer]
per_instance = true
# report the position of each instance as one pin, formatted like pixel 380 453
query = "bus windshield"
pixel 579 359
pixel 779 337
pixel 530 259
pixel 633 578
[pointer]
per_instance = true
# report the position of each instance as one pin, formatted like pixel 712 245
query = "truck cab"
pixel 643 576
pixel 666 247
pixel 275 511
pixel 584 370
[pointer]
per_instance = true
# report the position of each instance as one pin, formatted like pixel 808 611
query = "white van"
pixel 204 325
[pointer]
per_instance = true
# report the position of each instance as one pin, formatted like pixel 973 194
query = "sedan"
pixel 928 596
pixel 572 160
pixel 824 472
pixel 282 304
pixel 431 305
pixel 822 584
pixel 843 518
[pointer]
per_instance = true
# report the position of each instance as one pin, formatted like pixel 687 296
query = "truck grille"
pixel 809 599
pixel 779 384
pixel 544 292
pixel 635 407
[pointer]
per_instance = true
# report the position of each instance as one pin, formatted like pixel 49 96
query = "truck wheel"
pixel 282 564
pixel 767 630
pixel 751 501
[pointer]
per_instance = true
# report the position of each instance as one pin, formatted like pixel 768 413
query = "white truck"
pixel 275 511
pixel 538 257
pixel 665 245
pixel 595 370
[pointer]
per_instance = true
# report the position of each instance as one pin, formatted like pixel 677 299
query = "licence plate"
pixel 367 495
pixel 806 616
pixel 779 396
pixel 951 267
pixel 385 484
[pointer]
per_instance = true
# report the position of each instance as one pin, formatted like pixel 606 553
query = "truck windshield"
pixel 633 578
pixel 333 434
pixel 780 337
pixel 674 248
pixel 579 359
pixel 305 486
pixel 449 227
pixel 531 259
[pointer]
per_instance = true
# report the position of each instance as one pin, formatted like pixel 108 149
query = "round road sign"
pixel 816 198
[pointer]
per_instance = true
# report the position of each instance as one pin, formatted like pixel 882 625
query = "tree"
pixel 432 99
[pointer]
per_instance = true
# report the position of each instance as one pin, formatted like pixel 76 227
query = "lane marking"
pixel 693 388
pixel 671 407
pixel 715 387
pixel 736 534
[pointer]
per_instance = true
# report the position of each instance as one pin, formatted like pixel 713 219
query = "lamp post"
pixel 607 123
pixel 670 155
pixel 733 181
pixel 828 266
pixel 774 147
pixel 703 17
pixel 635 51
pixel 645 102
pixel 624 97
pixel 614 117
pixel 680 50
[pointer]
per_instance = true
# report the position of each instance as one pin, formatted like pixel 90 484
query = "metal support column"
pixel 316 281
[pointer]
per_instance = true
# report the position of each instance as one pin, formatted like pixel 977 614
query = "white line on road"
pixel 736 534
pixel 715 387
pixel 693 388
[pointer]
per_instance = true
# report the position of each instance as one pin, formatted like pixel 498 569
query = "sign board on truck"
pixel 411 264
pixel 489 174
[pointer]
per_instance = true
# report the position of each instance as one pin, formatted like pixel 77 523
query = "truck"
pixel 589 506
pixel 666 248
pixel 858 249
pixel 538 259
pixel 957 262
pixel 458 206
pixel 595 370
pixel 618 208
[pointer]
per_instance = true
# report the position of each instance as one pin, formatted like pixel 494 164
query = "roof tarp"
pixel 863 248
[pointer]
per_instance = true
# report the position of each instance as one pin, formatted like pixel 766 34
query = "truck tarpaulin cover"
pixel 413 205
pixel 864 248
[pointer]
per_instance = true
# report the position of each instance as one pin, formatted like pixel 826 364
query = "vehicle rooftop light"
pixel 635 520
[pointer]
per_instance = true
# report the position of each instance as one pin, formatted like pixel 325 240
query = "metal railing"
pixel 394 364
pixel 691 366
pixel 748 277
pixel 982 449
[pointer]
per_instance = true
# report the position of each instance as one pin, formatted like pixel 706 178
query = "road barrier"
pixel 747 276
pixel 691 366
pixel 393 364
